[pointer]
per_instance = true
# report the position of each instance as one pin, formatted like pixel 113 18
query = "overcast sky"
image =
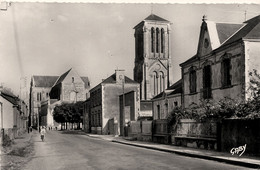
pixel 96 39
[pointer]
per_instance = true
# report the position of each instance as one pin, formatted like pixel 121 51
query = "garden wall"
pixel 237 132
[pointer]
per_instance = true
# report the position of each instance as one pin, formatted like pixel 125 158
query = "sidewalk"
pixel 246 161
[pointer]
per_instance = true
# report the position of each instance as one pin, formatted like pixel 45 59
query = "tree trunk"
pixel 66 126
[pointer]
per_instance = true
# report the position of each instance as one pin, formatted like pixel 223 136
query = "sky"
pixel 96 38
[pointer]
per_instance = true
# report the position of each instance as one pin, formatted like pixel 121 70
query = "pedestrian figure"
pixel 31 128
pixel 43 131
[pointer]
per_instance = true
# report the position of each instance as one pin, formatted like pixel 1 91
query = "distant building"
pixel 152 56
pixel 166 101
pixel 39 91
pixel 49 91
pixel 226 54
pixel 104 102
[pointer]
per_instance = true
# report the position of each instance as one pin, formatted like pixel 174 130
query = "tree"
pixel 68 113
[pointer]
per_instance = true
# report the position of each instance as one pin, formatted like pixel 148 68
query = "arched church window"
pixel 161 82
pixel 157 40
pixel 152 39
pixel 162 40
pixel 155 83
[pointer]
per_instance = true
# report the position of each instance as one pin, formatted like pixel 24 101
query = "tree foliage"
pixel 68 112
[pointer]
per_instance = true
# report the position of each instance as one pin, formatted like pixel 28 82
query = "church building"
pixel 152 56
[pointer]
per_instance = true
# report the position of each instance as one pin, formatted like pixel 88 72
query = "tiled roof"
pixel 250 31
pixel 225 30
pixel 44 81
pixel 153 17
pixel 112 79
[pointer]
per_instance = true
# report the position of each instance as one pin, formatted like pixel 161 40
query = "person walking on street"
pixel 43 131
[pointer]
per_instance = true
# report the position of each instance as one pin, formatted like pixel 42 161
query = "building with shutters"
pixel 226 54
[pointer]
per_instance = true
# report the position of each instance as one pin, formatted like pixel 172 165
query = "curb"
pixel 233 162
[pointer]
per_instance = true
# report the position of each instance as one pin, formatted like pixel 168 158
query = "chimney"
pixel 120 76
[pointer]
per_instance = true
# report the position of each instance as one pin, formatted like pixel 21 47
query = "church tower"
pixel 152 56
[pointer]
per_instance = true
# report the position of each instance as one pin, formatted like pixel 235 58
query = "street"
pixel 67 150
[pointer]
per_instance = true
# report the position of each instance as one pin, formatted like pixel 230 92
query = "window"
pixel 155 83
pixel 166 109
pixel 175 104
pixel 47 95
pixel 157 40
pixel 207 82
pixel 158 111
pixel 162 40
pixel 193 81
pixel 39 97
pixel 161 83
pixel 152 39
pixel 225 71
pixel 72 79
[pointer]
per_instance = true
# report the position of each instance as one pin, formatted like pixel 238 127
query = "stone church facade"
pixel 152 56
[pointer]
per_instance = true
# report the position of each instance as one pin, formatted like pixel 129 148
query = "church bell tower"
pixel 152 56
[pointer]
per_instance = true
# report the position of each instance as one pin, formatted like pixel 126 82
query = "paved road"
pixel 66 151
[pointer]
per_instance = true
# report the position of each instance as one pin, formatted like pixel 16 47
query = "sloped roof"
pixel 173 89
pixel 44 81
pixel 153 17
pixel 86 81
pixel 62 77
pixel 229 32
pixel 194 58
pixel 225 30
pixel 12 99
pixel 112 79
pixel 250 31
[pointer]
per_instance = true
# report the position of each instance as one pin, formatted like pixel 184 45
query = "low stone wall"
pixel 140 130
pixel 237 132
pixel 191 133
